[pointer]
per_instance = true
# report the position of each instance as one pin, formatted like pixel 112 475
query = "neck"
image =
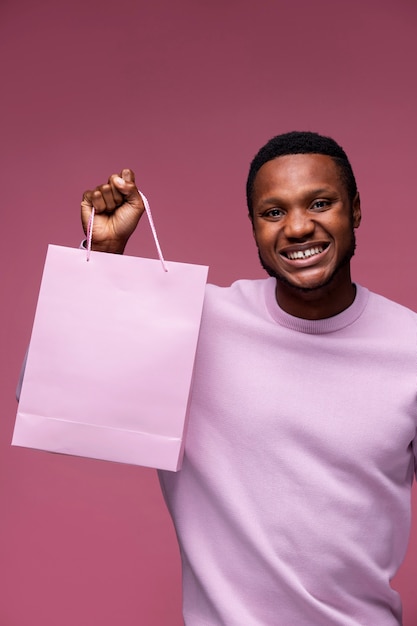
pixel 319 303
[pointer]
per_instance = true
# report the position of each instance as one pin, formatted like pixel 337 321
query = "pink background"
pixel 184 93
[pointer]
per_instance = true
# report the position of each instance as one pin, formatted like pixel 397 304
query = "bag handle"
pixel 151 223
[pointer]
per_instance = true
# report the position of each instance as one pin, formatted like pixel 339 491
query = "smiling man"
pixel 304 209
pixel 293 504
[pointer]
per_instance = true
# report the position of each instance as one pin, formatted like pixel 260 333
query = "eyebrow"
pixel 309 194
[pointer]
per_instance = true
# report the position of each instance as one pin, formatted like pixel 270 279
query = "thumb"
pixel 128 175
pixel 125 185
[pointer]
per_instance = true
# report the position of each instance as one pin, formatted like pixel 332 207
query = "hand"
pixel 118 208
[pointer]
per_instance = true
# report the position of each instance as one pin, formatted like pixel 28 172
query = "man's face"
pixel 303 221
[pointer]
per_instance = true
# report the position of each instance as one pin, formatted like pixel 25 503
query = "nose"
pixel 298 224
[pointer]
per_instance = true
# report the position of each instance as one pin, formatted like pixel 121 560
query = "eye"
pixel 320 205
pixel 273 214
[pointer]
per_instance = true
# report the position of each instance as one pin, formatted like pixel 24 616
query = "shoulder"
pixel 390 319
pixel 242 294
pixel 242 303
pixel 243 287
pixel 381 305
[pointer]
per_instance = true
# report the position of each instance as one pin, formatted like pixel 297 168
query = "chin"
pixel 315 287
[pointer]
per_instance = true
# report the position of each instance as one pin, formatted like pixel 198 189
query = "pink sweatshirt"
pixel 293 504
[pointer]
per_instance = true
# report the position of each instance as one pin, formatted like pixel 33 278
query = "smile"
pixel 304 254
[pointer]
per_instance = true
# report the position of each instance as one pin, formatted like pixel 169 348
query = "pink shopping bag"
pixel 110 362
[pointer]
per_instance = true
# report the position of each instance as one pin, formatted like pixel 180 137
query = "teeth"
pixel 304 254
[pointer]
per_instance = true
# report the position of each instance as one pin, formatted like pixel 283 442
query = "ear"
pixel 356 211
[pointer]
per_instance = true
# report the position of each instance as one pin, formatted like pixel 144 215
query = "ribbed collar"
pixel 316 327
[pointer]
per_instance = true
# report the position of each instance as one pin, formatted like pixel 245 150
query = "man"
pixel 293 504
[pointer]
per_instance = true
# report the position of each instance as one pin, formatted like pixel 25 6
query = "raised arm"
pixel 118 208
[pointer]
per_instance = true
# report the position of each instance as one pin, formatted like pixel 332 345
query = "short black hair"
pixel 301 142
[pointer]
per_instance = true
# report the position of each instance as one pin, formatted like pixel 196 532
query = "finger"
pixel 97 200
pixel 117 195
pixel 93 199
pixel 108 197
pixel 86 202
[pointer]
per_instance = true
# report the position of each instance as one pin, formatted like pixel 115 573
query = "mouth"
pixel 295 254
